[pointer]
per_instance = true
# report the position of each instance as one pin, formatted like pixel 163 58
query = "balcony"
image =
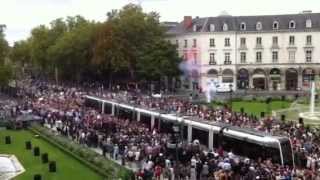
pixel 212 63
pixel 243 47
pixel 259 46
pixel 275 46
pixel 227 62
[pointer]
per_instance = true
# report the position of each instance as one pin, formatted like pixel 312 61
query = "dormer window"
pixel 243 26
pixel 292 25
pixel 211 27
pixel 259 26
pixel 225 27
pixel 194 28
pixel 308 23
pixel 275 25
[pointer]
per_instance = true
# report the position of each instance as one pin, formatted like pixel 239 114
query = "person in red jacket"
pixel 157 172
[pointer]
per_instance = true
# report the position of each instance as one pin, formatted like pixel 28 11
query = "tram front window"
pixel 287 152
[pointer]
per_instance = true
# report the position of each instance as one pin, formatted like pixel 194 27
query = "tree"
pixel 5 70
pixel 4 47
pixel 158 60
pixel 126 41
pixel 20 53
pixel 5 74
pixel 72 51
pixel 40 42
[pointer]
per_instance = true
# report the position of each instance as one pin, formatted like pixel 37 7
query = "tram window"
pixel 166 127
pixel 185 132
pixel 124 113
pixel 94 104
pixel 201 135
pixel 287 152
pixel 216 140
pixel 145 119
pixel 107 108
pixel 273 153
pixel 250 149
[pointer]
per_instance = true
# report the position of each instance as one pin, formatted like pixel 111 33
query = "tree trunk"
pixel 56 75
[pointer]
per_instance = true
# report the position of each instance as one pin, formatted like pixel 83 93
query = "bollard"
pixel 37 177
pixel 242 110
pixel 44 158
pixel 8 140
pixel 36 151
pixel 52 166
pixel 28 145
pixel 301 120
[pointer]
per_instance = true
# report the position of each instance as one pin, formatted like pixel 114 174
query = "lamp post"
pixel 231 91
pixel 176 130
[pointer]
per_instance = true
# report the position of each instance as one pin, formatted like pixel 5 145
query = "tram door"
pixel 107 108
pixel 201 135
pixel 145 119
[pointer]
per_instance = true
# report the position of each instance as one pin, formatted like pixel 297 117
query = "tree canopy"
pixel 5 70
pixel 129 45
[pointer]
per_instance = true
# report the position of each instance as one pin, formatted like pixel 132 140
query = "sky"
pixel 20 16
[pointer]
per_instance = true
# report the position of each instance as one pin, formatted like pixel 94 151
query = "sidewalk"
pixel 133 166
pixel 130 165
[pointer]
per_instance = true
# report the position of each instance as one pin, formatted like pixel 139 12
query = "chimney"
pixel 187 21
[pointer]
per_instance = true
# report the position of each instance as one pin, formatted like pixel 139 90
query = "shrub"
pixel 97 162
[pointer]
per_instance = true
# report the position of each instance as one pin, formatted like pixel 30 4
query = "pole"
pixel 312 97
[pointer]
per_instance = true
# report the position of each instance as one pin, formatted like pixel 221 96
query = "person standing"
pixel 115 151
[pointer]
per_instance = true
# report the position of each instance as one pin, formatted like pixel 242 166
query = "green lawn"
pixel 256 107
pixel 68 168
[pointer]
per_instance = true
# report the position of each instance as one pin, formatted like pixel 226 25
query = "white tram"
pixel 242 142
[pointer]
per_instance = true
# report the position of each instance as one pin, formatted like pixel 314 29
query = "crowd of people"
pixel 153 151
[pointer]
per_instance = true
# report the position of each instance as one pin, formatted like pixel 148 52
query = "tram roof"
pixel 202 124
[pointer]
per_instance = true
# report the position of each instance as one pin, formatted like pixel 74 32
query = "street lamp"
pixel 231 90
pixel 176 130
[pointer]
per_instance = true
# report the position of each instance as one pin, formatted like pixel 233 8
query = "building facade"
pixel 273 52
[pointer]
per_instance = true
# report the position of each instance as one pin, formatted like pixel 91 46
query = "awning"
pixel 258 76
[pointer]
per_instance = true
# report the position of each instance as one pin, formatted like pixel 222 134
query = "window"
pixel 258 57
pixel 177 42
pixel 308 56
pixel 185 43
pixel 225 27
pixel 308 23
pixel 194 58
pixel 309 40
pixel 243 26
pixel 194 43
pixel 195 28
pixel 258 26
pixel 185 56
pixel 275 56
pixel 292 56
pixel 292 25
pixel 275 25
pixel 212 43
pixel 275 40
pixel 211 27
pixel 227 58
pixel 243 57
pixel 291 40
pixel 212 60
pixel 242 41
pixel 259 41
pixel 227 42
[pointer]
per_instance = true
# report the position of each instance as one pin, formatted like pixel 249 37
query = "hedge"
pixel 95 161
